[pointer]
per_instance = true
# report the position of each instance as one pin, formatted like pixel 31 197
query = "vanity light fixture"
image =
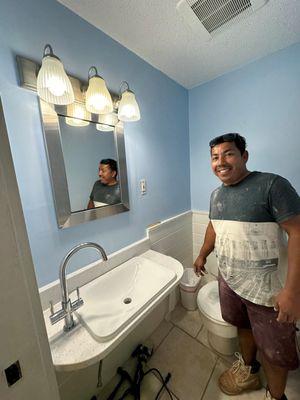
pixel 53 84
pixel 107 122
pixel 128 109
pixel 81 116
pixel 97 99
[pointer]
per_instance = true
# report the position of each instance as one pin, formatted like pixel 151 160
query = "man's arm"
pixel 206 249
pixel 288 300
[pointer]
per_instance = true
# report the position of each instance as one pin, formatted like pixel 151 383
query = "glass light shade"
pixel 53 84
pixel 98 99
pixel 79 113
pixel 108 119
pixel 107 122
pixel 128 107
pixel 104 128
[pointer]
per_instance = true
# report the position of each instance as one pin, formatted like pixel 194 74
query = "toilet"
pixel 221 335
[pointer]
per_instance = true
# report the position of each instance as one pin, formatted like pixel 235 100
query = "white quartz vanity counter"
pixel 78 349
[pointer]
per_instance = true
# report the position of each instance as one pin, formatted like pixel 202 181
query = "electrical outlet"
pixel 13 373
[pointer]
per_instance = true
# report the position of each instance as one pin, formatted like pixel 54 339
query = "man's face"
pixel 227 163
pixel 106 175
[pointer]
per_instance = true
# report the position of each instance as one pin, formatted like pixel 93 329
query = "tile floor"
pixel 181 348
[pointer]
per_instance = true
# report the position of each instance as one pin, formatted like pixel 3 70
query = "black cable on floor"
pixel 164 382
pixel 143 354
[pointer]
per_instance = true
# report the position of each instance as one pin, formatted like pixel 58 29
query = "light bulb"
pixel 79 111
pixel 98 102
pixel 56 86
pixel 128 111
pixel 77 115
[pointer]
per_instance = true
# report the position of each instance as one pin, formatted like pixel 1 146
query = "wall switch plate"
pixel 13 373
pixel 143 186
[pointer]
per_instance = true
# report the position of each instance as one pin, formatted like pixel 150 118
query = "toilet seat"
pixel 208 302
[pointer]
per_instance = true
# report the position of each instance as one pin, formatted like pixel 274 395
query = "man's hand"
pixel 288 306
pixel 199 266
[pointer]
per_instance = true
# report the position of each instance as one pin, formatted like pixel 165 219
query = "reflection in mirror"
pixel 90 183
pixel 76 151
pixel 106 189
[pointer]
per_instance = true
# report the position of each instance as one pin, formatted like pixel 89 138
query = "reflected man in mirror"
pixel 106 190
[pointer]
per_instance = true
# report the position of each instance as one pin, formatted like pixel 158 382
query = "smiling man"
pixel 248 214
pixel 106 191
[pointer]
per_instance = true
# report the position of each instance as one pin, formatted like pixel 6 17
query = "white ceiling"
pixel 155 31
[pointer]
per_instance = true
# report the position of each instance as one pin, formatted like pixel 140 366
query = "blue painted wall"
pixel 157 147
pixel 262 102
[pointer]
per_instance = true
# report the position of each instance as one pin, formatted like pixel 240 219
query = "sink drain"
pixel 127 300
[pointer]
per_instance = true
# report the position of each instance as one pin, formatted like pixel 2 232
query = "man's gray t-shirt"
pixel 250 245
pixel 106 194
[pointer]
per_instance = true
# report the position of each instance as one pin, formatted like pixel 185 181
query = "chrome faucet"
pixel 67 306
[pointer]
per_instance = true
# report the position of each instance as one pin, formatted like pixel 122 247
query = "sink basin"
pixel 114 305
pixel 114 299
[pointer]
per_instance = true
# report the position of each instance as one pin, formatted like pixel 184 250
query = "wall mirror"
pixel 74 154
pixel 75 145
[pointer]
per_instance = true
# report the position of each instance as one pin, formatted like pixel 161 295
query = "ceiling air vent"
pixel 209 17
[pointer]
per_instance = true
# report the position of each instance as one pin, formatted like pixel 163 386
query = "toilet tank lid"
pixel 209 302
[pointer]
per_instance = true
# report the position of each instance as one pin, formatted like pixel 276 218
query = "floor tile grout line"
pixel 195 338
pixel 208 348
pixel 192 337
pixel 211 374
pixel 199 330
pixel 164 338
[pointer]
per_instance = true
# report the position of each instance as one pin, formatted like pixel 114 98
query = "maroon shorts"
pixel 276 340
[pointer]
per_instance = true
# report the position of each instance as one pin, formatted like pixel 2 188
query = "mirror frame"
pixel 50 117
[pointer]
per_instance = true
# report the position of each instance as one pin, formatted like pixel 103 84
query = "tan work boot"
pixel 238 378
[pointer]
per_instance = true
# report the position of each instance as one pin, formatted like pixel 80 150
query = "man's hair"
pixel 112 164
pixel 239 141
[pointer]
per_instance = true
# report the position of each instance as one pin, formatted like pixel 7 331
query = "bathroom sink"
pixel 114 305
pixel 114 299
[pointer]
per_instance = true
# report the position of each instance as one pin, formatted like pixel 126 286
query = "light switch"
pixel 143 186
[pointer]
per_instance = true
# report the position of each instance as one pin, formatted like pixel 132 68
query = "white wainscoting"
pixel 200 222
pixel 173 237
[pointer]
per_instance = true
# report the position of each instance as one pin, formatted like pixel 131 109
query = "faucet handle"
pixel 51 307
pixel 56 316
pixel 78 302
